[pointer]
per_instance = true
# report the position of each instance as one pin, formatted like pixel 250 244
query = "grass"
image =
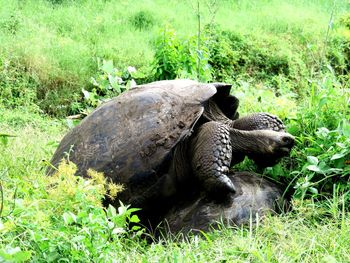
pixel 47 56
pixel 67 47
pixel 309 234
pixel 42 230
pixel 56 55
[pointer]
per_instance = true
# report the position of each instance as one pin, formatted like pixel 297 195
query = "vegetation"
pixel 290 58
pixel 46 57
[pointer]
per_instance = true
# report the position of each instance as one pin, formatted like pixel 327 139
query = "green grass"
pixel 311 233
pixel 40 226
pixel 55 47
pixel 52 44
pixel 49 51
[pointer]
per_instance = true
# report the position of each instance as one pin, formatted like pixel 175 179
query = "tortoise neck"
pixel 246 142
pixel 212 112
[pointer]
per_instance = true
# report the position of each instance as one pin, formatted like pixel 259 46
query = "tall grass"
pixel 65 38
pixel 56 44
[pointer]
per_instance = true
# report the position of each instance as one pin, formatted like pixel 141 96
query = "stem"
pixel 2 199
pixel 198 40
pixel 330 23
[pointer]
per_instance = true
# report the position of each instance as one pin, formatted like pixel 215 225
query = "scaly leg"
pixel 211 155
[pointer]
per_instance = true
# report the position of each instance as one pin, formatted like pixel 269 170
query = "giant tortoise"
pixel 162 138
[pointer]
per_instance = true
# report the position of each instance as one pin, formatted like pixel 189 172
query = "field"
pixel 65 57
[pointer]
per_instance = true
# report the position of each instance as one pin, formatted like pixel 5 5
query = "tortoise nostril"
pixel 289 141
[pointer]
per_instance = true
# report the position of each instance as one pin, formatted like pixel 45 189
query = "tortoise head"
pixel 264 147
pixel 272 147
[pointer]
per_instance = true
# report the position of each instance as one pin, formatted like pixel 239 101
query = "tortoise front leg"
pixel 211 153
pixel 259 121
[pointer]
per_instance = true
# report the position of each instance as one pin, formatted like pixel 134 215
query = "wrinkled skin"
pixel 253 199
pixel 165 138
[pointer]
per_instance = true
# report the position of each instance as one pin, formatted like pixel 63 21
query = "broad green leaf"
pixel 14 255
pixel 323 132
pixel 314 168
pixel 69 218
pixel 346 129
pixel 112 81
pixel 134 228
pixel 312 160
pixel 107 66
pixel 134 219
pixel 322 102
pixel 4 138
pixel 313 190
pixel 111 211
pixel 86 93
pixel 94 81
pixel 131 210
pixel 22 256
pixel 118 230
pixel 324 167
pixel 122 210
pixel 338 156
pixel 110 225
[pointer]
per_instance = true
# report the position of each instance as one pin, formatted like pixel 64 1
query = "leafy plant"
pixel 177 58
pixel 61 218
pixel 327 162
pixel 142 20
pixel 17 88
pixel 11 25
pixel 321 157
pixel 261 59
pixel 14 254
pixel 109 82
pixel 4 138
pixel 338 52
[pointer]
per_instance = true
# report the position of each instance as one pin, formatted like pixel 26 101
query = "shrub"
pixel 178 58
pixel 61 219
pixel 223 59
pixel 142 20
pixel 11 25
pixel 320 160
pixel 108 82
pixel 236 56
pixel 18 88
pixel 338 52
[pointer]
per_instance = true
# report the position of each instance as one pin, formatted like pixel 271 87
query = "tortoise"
pixel 161 138
pixel 255 197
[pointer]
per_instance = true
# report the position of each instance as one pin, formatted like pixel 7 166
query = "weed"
pixel 109 82
pixel 17 87
pixel 11 25
pixel 177 58
pixel 142 20
pixel 72 207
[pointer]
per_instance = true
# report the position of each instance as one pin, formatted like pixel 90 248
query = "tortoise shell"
pixel 255 197
pixel 131 137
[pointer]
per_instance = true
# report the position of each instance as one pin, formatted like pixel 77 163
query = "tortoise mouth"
pixel 285 150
